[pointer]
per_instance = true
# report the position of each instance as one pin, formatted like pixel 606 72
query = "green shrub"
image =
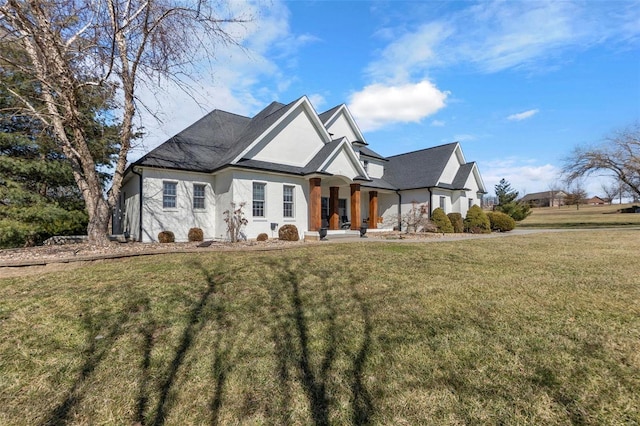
pixel 477 221
pixel 501 222
pixel 288 233
pixel 456 222
pixel 196 234
pixel 262 237
pixel 166 237
pixel 441 220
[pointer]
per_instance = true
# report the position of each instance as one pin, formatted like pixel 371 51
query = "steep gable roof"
pixel 201 146
pixel 418 169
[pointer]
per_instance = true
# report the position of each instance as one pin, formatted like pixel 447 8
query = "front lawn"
pixel 585 217
pixel 538 329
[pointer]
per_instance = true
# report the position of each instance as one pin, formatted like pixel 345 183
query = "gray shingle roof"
pixel 371 153
pixel 201 146
pixel 462 176
pixel 325 116
pixel 214 141
pixel 418 169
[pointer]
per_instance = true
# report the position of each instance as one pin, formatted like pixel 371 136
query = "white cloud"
pixel 230 81
pixel 524 175
pixel 523 115
pixel 318 101
pixel 438 123
pixel 498 35
pixel 378 105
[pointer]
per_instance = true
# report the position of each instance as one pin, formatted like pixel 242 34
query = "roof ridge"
pixel 423 149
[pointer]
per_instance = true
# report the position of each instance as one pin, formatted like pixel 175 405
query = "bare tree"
pixel 576 195
pixel 71 46
pixel 611 191
pixel 618 156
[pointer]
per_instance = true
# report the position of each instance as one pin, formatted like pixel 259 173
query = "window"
pixel 324 207
pixel 258 199
pixel 443 203
pixel 169 195
pixel 365 164
pixel 198 196
pixel 470 202
pixel 287 200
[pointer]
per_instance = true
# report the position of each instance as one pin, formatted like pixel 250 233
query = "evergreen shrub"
pixel 262 237
pixel 501 222
pixel 477 221
pixel 456 222
pixel 441 220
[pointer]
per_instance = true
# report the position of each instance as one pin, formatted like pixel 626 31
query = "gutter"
pixel 133 170
pixel 399 210
pixel 430 201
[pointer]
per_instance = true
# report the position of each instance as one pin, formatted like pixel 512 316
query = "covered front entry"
pixel 336 203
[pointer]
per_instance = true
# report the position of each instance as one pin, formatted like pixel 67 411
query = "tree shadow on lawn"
pixel 294 354
pixel 297 357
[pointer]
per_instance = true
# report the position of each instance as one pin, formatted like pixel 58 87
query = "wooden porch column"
pixel 373 209
pixel 334 217
pixel 355 206
pixel 315 204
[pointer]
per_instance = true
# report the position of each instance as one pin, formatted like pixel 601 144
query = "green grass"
pixel 538 329
pixel 585 217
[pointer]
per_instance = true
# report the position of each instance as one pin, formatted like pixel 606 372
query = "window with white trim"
pixel 198 196
pixel 169 195
pixel 470 202
pixel 443 203
pixel 287 200
pixel 258 199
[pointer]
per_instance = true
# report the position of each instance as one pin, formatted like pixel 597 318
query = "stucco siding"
pixel 293 142
pixel 375 169
pixel 342 165
pixel 242 190
pixel 341 127
pixel 184 216
pixel 450 170
pixel 127 214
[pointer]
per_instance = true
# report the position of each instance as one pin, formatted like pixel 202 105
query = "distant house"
pixel 545 199
pixel 288 165
pixel 595 201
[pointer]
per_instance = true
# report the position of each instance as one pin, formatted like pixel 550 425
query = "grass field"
pixel 537 329
pixel 585 217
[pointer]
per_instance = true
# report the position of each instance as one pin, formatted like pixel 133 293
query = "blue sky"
pixel 517 83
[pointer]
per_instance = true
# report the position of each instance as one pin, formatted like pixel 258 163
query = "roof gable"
pixel 418 169
pixel 201 146
pixel 342 161
pixel 294 129
pixel 340 123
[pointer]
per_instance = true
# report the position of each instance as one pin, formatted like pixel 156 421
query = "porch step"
pixel 347 233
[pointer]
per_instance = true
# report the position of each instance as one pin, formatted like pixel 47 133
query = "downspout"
pixel 430 200
pixel 399 210
pixel 133 170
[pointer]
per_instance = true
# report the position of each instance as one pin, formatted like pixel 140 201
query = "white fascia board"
pixel 478 176
pixel 304 102
pixel 344 110
pixel 459 154
pixel 350 152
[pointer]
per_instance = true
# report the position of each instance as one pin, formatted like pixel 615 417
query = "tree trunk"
pixel 98 226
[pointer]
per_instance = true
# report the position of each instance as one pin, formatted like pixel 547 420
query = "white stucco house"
pixel 289 165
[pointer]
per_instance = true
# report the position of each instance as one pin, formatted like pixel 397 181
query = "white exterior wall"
pixel 242 190
pixel 342 164
pixel 293 142
pixel 388 209
pixel 435 200
pixel 419 197
pixel 341 127
pixel 376 168
pixel 450 170
pixel 128 211
pixel 224 197
pixel 178 220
